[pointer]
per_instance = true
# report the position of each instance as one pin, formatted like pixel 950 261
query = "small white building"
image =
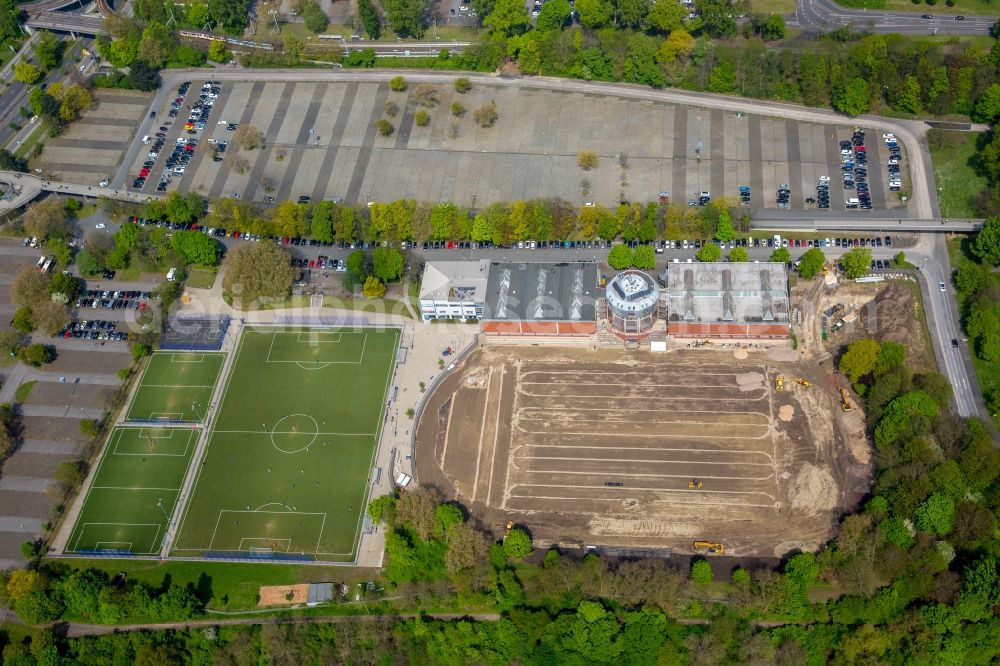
pixel 454 289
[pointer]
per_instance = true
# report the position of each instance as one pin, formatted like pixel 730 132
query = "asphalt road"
pixel 827 15
pixel 15 95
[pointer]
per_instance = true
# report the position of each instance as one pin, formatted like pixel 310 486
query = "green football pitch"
pixel 176 386
pixel 292 446
pixel 134 490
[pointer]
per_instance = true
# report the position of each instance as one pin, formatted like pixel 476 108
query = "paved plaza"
pixel 321 142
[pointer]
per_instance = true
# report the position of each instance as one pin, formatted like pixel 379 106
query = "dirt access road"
pixel 598 447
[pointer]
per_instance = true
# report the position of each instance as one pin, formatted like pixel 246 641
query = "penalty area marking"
pixel 316 364
pixel 200 359
pixel 153 542
pixel 218 520
pixel 142 434
pixel 266 549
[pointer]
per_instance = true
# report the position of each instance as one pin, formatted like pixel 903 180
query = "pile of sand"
pixel 740 354
pixel 604 526
pixel 750 381
pixel 786 412
pixel 782 354
pixel 813 491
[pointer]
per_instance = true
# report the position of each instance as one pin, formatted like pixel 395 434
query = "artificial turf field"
pixel 176 386
pixel 134 490
pixel 292 445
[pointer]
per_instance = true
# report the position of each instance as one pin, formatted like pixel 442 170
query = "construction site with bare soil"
pixel 752 451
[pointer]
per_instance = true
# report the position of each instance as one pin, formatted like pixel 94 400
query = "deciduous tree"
pixel 387 264
pixel 257 271
pixel 30 287
pixel 196 248
pixel 248 137
pixel 811 263
pixel 47 219
pixel 517 544
pixel 373 287
pixel 509 17
pixel 709 252
pixel 856 262
pixel 738 254
pixel 645 258
pixel 620 257
pixel 859 359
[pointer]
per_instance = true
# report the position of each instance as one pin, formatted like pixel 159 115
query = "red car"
pixel 284 241
pixel 236 234
pixel 142 174
pixel 312 263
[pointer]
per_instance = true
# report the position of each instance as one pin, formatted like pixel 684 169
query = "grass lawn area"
pixel 28 145
pixel 294 301
pixel 233 585
pixel 201 277
pixel 23 391
pixel 957 181
pixel 290 454
pixel 772 6
pixel 130 274
pixel 373 305
pixel 134 490
pixel 176 386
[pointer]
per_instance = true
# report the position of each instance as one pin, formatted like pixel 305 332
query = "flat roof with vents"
pixel 542 291
pixel 727 293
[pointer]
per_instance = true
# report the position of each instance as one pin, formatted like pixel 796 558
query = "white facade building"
pixel 454 289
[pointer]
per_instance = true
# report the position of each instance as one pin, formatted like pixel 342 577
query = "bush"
pixel 587 160
pixel 422 118
pixel 457 109
pixel 397 83
pixel 701 573
pixel 391 109
pixel 462 85
pixel 517 544
pixel 385 128
pixel 486 115
pixel 90 428
pixel 22 320
pixel 37 355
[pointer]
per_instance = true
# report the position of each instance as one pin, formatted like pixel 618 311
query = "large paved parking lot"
pixel 322 142
pixel 599 447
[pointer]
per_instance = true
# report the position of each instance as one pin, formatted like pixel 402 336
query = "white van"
pixel 145 140
pixel 777 240
pixel 853 202
pixel 171 274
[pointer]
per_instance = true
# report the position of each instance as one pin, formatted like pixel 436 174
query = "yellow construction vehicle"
pixel 802 382
pixel 845 402
pixel 716 548
pixel 779 383
pixel 695 484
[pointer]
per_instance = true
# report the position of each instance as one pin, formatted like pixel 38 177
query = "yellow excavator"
pixel 845 402
pixel 802 382
pixel 779 383
pixel 695 484
pixel 716 548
